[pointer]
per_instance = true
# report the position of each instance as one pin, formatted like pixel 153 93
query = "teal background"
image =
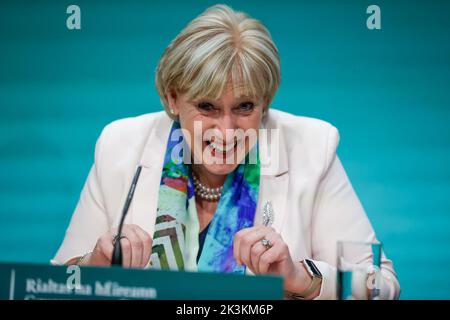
pixel 386 90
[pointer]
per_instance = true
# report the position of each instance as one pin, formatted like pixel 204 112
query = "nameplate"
pixel 35 281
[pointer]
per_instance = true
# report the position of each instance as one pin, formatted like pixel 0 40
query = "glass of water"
pixel 358 268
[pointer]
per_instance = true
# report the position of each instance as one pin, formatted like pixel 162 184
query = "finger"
pixel 147 245
pixel 237 241
pixel 248 241
pixel 256 251
pixel 270 255
pixel 112 238
pixel 136 247
pixel 125 244
pixel 104 247
pixel 267 258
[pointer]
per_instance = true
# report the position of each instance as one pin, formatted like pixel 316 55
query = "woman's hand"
pixel 136 248
pixel 249 250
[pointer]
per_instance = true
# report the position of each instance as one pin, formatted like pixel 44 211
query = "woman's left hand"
pixel 249 250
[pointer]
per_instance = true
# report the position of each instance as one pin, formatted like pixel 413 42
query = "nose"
pixel 224 123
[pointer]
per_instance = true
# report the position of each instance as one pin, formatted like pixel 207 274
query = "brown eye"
pixel 205 106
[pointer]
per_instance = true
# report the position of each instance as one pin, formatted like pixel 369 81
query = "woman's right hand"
pixel 136 248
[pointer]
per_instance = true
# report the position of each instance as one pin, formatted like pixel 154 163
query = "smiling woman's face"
pixel 218 151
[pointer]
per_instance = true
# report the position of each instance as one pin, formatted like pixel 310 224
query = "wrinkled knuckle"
pixel 265 259
pixel 139 244
pixel 126 246
pixel 246 241
pixel 259 248
pixel 133 239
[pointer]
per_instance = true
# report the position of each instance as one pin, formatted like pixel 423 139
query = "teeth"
pixel 220 148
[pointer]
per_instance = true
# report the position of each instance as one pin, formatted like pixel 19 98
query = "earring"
pixel 172 111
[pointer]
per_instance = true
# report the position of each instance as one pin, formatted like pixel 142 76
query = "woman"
pixel 201 203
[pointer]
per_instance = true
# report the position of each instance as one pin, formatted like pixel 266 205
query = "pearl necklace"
pixel 206 193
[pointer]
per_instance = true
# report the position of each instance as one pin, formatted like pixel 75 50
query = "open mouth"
pixel 220 148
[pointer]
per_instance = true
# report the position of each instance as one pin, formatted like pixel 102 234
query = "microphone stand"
pixel 117 252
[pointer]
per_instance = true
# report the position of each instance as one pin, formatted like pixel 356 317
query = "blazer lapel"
pixel 144 205
pixel 274 180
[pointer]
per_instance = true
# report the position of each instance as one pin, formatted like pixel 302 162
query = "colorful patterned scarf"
pixel 175 240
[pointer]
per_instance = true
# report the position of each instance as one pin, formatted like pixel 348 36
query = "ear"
pixel 172 99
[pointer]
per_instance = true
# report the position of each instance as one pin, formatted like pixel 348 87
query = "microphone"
pixel 117 253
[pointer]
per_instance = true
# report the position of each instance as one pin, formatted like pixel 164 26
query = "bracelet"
pixel 293 296
pixel 316 280
pixel 80 259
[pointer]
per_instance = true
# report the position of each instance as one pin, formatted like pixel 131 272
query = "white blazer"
pixel 313 201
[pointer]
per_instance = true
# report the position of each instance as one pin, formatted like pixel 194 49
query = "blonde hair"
pixel 220 47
